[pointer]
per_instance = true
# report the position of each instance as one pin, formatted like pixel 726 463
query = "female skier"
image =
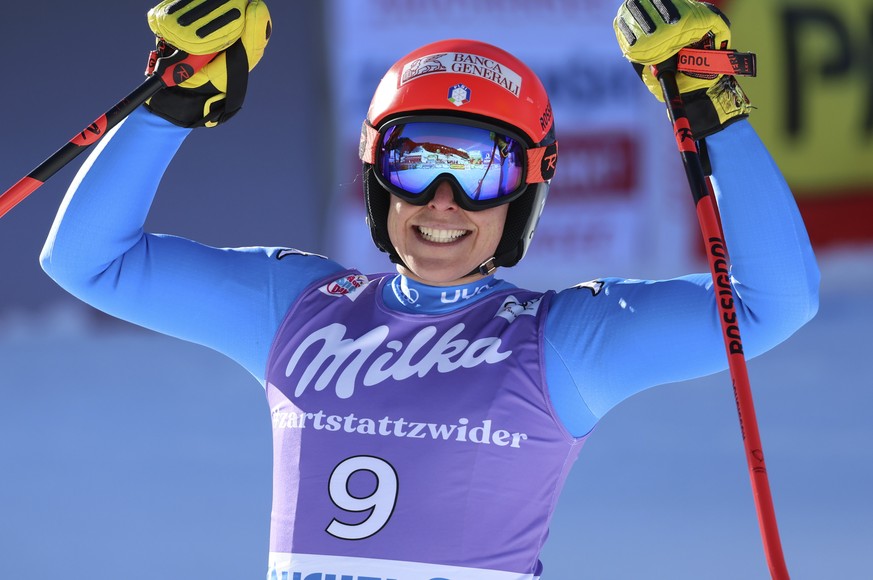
pixel 424 420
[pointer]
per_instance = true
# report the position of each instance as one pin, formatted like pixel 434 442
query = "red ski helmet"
pixel 496 89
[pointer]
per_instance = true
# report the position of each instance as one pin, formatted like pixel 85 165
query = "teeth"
pixel 440 236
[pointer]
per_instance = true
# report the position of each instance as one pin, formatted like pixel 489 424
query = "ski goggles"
pixel 487 165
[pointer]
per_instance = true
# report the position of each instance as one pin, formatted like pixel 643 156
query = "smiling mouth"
pixel 439 236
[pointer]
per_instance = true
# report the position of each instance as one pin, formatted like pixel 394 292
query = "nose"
pixel 444 197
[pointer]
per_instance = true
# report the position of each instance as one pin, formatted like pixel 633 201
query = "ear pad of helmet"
pixel 511 247
pixel 377 199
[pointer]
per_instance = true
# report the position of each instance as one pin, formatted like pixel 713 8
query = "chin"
pixel 449 276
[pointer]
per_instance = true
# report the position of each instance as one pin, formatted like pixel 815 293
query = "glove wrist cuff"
pixel 711 110
pixel 206 105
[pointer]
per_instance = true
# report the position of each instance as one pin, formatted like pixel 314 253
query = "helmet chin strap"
pixel 487 267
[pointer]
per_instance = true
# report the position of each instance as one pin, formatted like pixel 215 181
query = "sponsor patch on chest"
pixel 349 286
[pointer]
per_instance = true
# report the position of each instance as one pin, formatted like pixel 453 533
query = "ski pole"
pixel 162 71
pixel 717 256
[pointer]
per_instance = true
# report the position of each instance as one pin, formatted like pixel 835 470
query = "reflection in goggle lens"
pixel 486 164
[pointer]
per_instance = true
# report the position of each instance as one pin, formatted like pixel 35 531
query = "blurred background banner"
pixel 814 94
pixel 618 204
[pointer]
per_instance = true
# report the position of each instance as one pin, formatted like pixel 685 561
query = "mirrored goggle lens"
pixel 487 165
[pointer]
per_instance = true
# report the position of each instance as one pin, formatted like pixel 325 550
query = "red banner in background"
pixel 596 165
pixel 842 217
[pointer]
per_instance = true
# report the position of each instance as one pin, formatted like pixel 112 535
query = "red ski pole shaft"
pixel 717 255
pixel 164 72
pixel 78 144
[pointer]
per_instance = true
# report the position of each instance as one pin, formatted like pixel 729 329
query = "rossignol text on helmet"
pixel 469 113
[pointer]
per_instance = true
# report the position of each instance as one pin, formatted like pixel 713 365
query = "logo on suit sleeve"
pixel 595 286
pixel 285 252
pixel 512 308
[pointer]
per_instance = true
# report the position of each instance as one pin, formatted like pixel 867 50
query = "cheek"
pixel 395 222
pixel 495 219
pixel 392 226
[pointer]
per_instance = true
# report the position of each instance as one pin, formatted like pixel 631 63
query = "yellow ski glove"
pixel 238 29
pixel 650 32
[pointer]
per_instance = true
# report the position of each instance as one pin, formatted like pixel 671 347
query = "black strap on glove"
pixel 199 106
